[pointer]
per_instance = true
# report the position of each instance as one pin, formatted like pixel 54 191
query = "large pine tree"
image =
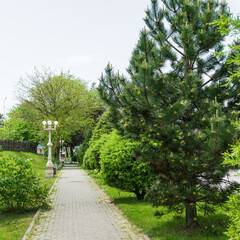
pixel 174 102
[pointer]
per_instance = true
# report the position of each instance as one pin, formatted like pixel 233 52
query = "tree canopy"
pixel 174 102
pixel 46 95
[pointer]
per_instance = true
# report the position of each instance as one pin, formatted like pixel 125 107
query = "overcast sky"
pixel 76 35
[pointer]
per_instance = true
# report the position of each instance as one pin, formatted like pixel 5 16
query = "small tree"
pixel 176 105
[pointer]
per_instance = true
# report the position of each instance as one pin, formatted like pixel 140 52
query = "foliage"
pixel 103 126
pixel 91 159
pixel 18 128
pixel 9 220
pixel 83 148
pixel 228 25
pixel 174 102
pixel 120 167
pixel 20 188
pixel 55 161
pixel 233 231
pixel 232 158
pixel 231 26
pixel 46 95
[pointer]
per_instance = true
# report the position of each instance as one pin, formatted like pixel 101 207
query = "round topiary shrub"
pixel 121 169
pixel 20 188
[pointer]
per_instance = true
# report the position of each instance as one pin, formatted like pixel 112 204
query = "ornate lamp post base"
pixel 49 165
pixel 49 170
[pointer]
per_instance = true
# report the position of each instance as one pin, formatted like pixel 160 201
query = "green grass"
pixel 14 225
pixel 167 227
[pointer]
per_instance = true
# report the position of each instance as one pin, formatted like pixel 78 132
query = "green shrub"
pixel 74 157
pixel 20 188
pixel 91 159
pixel 121 169
pixel 103 126
pixel 83 148
pixel 55 161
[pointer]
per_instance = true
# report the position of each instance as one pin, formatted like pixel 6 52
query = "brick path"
pixel 81 211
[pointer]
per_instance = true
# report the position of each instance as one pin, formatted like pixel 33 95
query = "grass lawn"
pixel 167 227
pixel 14 225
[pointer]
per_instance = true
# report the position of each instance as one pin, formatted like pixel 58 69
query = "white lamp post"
pixel 49 165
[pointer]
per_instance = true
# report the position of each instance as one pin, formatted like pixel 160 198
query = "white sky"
pixel 76 35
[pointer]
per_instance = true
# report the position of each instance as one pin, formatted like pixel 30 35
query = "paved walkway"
pixel 81 211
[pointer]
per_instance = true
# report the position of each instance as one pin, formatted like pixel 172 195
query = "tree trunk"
pixel 191 216
pixel 56 153
pixel 140 196
pixel 71 151
pixel 57 147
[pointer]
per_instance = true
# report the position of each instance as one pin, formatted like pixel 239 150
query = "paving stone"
pixel 82 211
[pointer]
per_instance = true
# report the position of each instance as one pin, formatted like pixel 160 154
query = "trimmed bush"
pixel 20 188
pixel 91 159
pixel 121 169
pixel 83 148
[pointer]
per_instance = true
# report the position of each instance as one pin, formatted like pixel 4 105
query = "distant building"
pixel 40 149
pixel 75 149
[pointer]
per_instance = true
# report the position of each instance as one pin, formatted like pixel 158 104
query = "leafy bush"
pixel 83 148
pixel 91 159
pixel 55 161
pixel 20 188
pixel 74 157
pixel 103 126
pixel 121 169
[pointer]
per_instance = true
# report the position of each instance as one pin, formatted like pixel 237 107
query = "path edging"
pixel 38 211
pixel 130 226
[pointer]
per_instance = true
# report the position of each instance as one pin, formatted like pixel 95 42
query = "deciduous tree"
pixel 46 95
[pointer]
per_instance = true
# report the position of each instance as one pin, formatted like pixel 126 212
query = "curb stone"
pixel 81 210
pixel 39 209
pixel 133 229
